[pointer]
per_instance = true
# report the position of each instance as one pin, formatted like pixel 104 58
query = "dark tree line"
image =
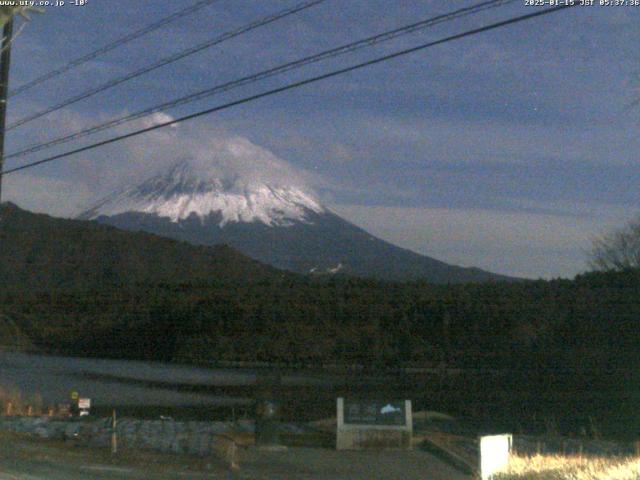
pixel 337 320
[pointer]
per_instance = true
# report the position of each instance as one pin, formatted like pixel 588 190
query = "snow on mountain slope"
pixel 236 193
pixel 186 190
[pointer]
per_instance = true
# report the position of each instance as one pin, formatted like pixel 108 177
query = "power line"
pixel 168 60
pixel 112 46
pixel 291 86
pixel 334 52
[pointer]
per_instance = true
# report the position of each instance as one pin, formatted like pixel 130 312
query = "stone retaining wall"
pixel 192 438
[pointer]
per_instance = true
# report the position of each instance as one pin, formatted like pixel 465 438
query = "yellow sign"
pixel 74 395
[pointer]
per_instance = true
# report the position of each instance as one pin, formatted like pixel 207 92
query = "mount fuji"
pixel 274 222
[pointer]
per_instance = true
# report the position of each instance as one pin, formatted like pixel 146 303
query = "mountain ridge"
pixel 38 251
pixel 278 224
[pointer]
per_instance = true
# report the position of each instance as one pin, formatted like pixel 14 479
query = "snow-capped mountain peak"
pixel 185 190
pixel 234 192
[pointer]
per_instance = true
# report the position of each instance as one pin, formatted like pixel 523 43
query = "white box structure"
pixel 494 454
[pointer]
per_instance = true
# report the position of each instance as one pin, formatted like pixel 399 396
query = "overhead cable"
pixel 112 46
pixel 249 79
pixel 294 85
pixel 165 61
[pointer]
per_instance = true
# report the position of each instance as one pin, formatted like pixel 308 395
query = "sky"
pixel 509 150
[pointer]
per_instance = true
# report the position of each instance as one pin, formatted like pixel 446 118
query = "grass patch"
pixel 557 467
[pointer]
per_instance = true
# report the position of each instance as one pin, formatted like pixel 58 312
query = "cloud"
pixel 466 141
pixel 73 182
pixel 519 244
pixel 45 195
pixel 158 118
pixel 233 157
pixel 212 149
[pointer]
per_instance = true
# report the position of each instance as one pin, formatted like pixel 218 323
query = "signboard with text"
pixel 374 424
pixel 358 412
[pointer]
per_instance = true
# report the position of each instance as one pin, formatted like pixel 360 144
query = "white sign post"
pixel 84 405
pixel 494 454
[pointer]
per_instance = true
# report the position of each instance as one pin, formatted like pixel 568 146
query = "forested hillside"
pixel 39 253
pixel 313 320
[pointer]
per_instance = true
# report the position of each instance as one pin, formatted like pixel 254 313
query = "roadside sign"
pixel 64 409
pixel 373 424
pixel 357 412
pixel 84 403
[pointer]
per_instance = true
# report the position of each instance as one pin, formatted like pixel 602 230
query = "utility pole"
pixel 5 63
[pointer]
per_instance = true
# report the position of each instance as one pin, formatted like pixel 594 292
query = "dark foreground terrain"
pixel 24 458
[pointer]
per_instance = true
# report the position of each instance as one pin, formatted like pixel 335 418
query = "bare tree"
pixel 619 250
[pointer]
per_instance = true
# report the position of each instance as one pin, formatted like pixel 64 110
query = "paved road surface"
pixel 319 464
